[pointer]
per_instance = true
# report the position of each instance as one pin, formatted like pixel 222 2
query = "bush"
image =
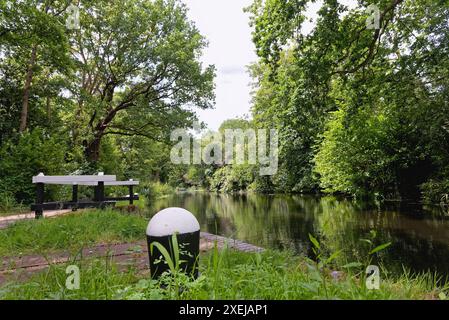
pixel 7 201
pixel 232 178
pixel 262 184
pixel 155 190
pixel 434 191
pixel 353 158
pixel 25 156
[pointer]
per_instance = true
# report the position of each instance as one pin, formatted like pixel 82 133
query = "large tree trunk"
pixel 92 151
pixel 26 90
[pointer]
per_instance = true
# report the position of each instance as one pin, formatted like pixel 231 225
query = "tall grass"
pixel 279 275
pixel 9 205
pixel 225 274
pixel 276 275
pixel 156 190
pixel 99 280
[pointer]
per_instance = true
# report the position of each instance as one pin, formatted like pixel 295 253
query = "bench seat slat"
pixel 121 183
pixel 106 183
pixel 72 179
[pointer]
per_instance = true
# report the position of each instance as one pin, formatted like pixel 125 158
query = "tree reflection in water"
pixel 419 235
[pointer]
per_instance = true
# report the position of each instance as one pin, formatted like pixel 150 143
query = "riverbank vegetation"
pixel 226 274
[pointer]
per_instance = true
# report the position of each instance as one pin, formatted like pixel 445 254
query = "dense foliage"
pixel 359 110
pixel 99 94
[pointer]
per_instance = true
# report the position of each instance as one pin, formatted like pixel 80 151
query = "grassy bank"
pixel 149 192
pixel 224 275
pixel 14 211
pixel 70 232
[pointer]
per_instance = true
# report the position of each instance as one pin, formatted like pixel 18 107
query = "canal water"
pixel 419 235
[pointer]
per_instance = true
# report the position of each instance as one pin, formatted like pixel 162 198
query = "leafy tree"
pixel 33 44
pixel 378 88
pixel 105 95
pixel 138 69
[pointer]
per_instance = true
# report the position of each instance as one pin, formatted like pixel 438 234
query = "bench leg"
pixel 39 213
pixel 131 195
pixel 75 197
pixel 99 192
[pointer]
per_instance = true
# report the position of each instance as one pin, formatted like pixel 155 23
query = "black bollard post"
pixel 161 229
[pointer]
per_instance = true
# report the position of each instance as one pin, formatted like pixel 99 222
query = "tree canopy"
pixel 360 110
pixel 115 84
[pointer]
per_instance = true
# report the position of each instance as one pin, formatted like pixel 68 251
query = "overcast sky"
pixel 231 50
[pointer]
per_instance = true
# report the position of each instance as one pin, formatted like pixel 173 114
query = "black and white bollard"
pixel 161 229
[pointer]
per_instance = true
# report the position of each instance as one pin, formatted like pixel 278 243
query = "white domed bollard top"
pixel 161 228
pixel 172 220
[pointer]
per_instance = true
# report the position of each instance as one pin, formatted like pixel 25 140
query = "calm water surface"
pixel 419 235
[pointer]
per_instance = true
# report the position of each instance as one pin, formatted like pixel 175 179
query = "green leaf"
pixel 174 241
pixel 367 241
pixel 313 287
pixel 333 256
pixel 314 241
pixel 352 265
pixel 381 247
pixel 165 253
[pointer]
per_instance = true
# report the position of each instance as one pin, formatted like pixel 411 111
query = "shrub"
pixel 25 156
pixel 154 190
pixel 232 178
pixel 7 201
pixel 434 191
pixel 353 158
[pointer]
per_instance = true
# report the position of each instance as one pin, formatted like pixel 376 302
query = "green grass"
pixel 149 192
pixel 99 280
pixel 71 232
pixel 4 212
pixel 224 275
pixel 275 276
pixel 140 204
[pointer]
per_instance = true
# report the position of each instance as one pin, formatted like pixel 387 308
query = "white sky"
pixel 231 50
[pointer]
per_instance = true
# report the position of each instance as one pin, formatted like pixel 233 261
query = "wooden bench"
pixel 99 200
